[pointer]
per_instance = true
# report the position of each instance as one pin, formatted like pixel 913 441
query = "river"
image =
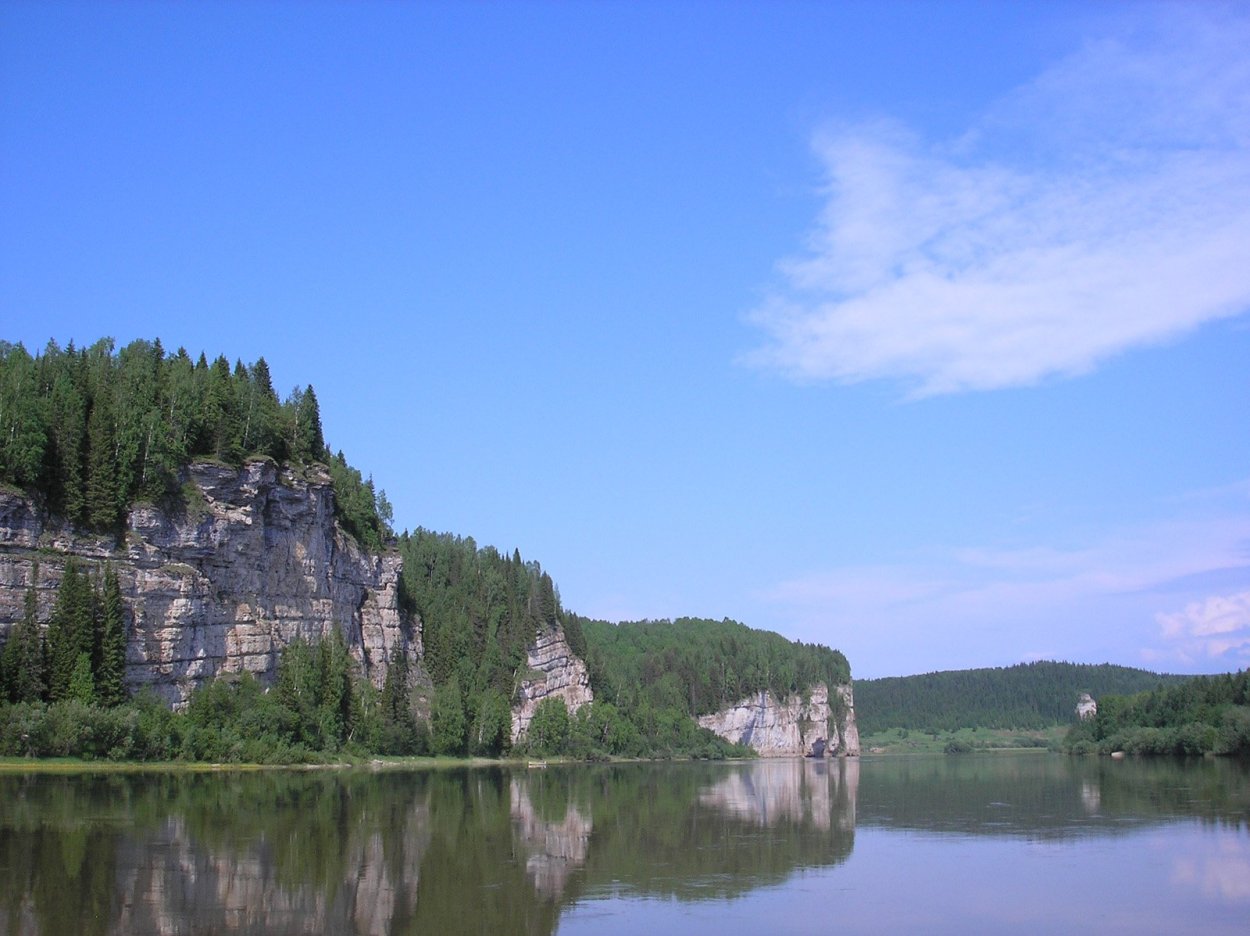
pixel 1032 843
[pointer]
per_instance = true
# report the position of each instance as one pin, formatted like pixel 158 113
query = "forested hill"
pixel 698 665
pixel 89 432
pixel 1196 715
pixel 1029 695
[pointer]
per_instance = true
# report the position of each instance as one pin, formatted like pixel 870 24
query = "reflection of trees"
pixel 466 850
pixel 1049 796
pixel 710 831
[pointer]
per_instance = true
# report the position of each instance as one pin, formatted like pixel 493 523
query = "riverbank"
pixel 963 740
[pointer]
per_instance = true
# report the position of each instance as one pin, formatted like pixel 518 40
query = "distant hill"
pixel 1028 695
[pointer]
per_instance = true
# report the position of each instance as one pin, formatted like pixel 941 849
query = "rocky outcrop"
pixel 811 723
pixel 252 560
pixel 552 670
pixel 1086 707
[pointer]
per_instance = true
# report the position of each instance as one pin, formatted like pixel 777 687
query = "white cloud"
pixel 1217 627
pixel 1109 598
pixel 1103 207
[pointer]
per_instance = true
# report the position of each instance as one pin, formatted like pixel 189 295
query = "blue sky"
pixel 915 329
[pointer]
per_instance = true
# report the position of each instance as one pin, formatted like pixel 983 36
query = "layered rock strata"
pixel 812 723
pixel 251 561
pixel 552 670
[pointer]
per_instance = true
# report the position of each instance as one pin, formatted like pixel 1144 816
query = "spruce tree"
pixel 21 663
pixel 110 678
pixel 103 497
pixel 70 632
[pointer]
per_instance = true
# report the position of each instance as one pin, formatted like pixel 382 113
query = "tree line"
pixel 480 611
pixel 82 657
pixel 1198 715
pixel 89 432
pixel 697 666
pixel 1024 696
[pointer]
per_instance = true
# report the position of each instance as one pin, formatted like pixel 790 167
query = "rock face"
pixel 799 725
pixel 552 670
pixel 1086 707
pixel 254 561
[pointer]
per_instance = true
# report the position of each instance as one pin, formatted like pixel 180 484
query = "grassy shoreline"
pixel 968 740
pixel 67 765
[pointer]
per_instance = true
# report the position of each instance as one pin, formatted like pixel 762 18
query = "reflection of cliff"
pixel 708 832
pixel 263 853
pixel 448 851
pixel 554 847
pixel 810 792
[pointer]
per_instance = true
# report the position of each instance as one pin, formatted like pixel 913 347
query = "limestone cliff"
pixel 253 560
pixel 552 670
pixel 809 723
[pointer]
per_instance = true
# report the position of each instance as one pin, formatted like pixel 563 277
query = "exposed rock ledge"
pixel 799 725
pixel 256 561
pixel 553 670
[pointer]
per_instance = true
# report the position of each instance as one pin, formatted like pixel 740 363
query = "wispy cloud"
pixel 1112 597
pixel 1104 206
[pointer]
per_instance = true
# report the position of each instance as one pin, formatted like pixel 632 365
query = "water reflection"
pixel 1050 797
pixel 393 852
pixel 494 849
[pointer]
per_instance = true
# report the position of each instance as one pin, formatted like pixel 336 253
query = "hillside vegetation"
pixel 88 432
pixel 1199 715
pixel 699 665
pixel 1025 696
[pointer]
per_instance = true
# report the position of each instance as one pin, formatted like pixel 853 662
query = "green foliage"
pixel 22 661
pixel 1026 696
pixel 84 657
pixel 317 709
pixel 492 728
pixel 696 666
pixel 479 610
pixel 315 685
pixel 89 432
pixel 549 729
pixel 71 634
pixel 110 670
pixel 448 724
pixel 1200 715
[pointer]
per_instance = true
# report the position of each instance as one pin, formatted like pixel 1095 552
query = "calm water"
pixel 1028 843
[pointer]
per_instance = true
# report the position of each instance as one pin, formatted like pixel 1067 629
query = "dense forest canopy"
pixel 698 665
pixel 480 610
pixel 1197 715
pixel 1028 695
pixel 89 432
